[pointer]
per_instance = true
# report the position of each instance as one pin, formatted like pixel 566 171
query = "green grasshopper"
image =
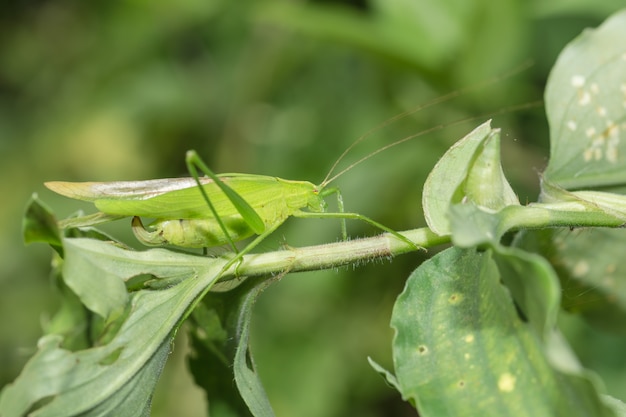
pixel 204 212
pixel 223 209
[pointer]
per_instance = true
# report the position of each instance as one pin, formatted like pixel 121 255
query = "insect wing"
pixel 170 198
pixel 247 212
pixel 121 190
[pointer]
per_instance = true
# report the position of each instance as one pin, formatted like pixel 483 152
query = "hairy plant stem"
pixel 386 245
pixel 333 255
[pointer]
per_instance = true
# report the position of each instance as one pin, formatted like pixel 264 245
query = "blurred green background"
pixel 102 91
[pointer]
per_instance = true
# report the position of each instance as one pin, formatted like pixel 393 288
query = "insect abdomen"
pixel 191 233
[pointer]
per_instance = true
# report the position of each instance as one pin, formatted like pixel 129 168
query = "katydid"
pixel 222 209
pixel 213 211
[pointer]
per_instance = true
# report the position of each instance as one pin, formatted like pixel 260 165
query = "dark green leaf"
pixel 246 376
pixel 220 339
pixel 40 225
pixel 590 264
pixel 533 285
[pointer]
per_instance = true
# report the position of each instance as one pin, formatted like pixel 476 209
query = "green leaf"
pixel 116 378
pixel 533 285
pixel 97 273
pixel 485 185
pixel 469 172
pixel 472 226
pixel 590 265
pixel 388 376
pixel 88 220
pixel 246 376
pixel 460 345
pixel 442 187
pixel 72 320
pixel 210 361
pixel 585 99
pixel 40 225
pixel 221 341
pixel 619 408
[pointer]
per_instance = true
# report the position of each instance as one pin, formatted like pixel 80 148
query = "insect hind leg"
pixel 194 162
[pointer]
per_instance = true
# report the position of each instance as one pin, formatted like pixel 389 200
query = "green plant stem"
pixel 337 254
pixel 557 215
pixel 386 245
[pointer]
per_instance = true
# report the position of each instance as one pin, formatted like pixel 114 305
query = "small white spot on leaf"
pixel 584 98
pixel 469 338
pixel 506 382
pixel 597 154
pixel 577 81
pixel 595 89
pixel 571 125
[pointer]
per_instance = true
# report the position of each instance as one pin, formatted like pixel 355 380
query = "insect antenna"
pixel 446 97
pixel 435 128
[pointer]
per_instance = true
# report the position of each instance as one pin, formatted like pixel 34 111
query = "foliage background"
pixel 119 90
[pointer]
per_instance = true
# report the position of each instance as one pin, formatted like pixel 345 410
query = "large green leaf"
pixel 116 378
pixel 462 349
pixel 585 99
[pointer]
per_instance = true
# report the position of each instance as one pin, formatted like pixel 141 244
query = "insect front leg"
pixel 337 192
pixel 356 216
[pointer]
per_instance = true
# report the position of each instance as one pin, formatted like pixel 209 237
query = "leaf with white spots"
pixel 586 107
pixel 461 348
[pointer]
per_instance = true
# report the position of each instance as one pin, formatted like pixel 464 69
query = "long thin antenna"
pixel 446 97
pixel 430 130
